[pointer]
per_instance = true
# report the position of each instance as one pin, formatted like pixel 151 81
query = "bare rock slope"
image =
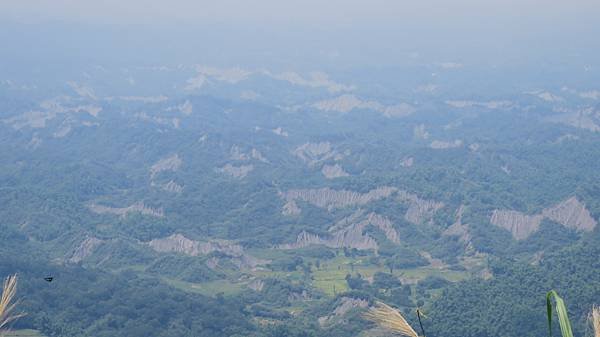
pixel 138 207
pixel 349 233
pixel 346 304
pixel 334 171
pixel 570 213
pixel 419 210
pixel 178 243
pixel 315 153
pixel 332 199
pixel 84 249
pixel 171 163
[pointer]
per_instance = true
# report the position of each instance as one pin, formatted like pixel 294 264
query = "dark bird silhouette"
pixel 48 279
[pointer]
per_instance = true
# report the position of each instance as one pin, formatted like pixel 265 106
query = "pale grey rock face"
pixel 314 80
pixel 256 285
pixel 385 225
pixel 518 224
pixel 304 239
pixel 546 96
pixel 32 119
pixel 178 243
pixel 570 213
pixel 459 229
pixel 84 249
pixel 407 162
pixel 236 153
pixel 334 171
pixel 238 172
pixel 299 296
pixel 83 90
pixel 349 303
pixel 488 105
pixel 257 155
pixel 399 110
pixel 331 199
pixel 419 210
pixel 291 208
pixel 138 207
pixel 51 109
pixel 35 142
pixel 229 75
pixel 205 74
pixel 349 233
pixel 315 153
pixel 186 108
pixel 347 103
pixel 172 187
pixel 280 132
pixel 441 145
pixel 143 99
pixel 161 121
pixel 420 132
pixel 592 94
pixel 64 130
pixel 171 163
pixel 346 304
pixel 343 104
pixel 585 119
pixel 352 237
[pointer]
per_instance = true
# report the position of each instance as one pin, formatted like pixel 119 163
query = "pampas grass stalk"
pixel 595 320
pixel 391 319
pixel 7 305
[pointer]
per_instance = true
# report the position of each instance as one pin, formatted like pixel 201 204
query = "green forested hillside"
pixel 163 211
pixel 513 302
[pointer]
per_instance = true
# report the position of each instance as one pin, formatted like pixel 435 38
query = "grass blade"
pixel 561 311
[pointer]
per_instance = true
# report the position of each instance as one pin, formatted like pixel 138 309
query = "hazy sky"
pixel 298 11
pixel 305 31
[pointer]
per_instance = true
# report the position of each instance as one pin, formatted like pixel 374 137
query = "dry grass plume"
pixel 595 320
pixel 391 319
pixel 7 303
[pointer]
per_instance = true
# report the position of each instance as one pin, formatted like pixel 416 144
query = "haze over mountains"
pixel 193 182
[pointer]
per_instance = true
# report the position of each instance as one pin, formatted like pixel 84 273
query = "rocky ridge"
pixel 442 145
pixel 419 210
pixel 237 154
pixel 238 172
pixel 570 213
pixel 334 171
pixel 348 233
pixel 138 207
pixel 459 229
pixel 171 163
pixel 332 199
pixel 177 243
pixel 315 153
pixel 84 249
pixel 347 103
pixel 346 304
